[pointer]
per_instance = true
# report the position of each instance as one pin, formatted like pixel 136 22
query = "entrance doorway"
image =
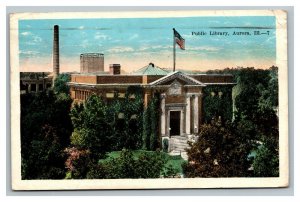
pixel 175 123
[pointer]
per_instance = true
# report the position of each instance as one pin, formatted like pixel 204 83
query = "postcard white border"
pixel 281 62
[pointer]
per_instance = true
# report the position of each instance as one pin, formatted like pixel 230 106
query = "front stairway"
pixel 178 144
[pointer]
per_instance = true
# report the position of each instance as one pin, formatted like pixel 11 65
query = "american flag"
pixel 179 40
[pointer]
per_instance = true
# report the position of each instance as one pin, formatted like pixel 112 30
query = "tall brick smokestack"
pixel 55 52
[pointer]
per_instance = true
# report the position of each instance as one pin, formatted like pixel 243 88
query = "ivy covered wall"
pixel 217 102
pixel 151 116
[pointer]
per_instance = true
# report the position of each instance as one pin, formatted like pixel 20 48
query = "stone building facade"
pixel 181 94
pixel 34 82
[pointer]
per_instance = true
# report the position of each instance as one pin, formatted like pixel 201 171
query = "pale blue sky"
pixel 135 42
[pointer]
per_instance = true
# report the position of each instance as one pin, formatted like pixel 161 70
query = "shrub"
pixel 266 162
pixel 150 165
pixel 147 165
pixel 77 163
pixel 170 172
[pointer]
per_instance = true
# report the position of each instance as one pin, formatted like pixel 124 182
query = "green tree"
pixel 250 81
pixel 217 103
pixel 154 117
pixel 218 152
pixel 269 95
pixel 255 99
pixel 103 126
pixel 266 162
pixel 77 115
pixel 45 131
pixel 93 127
pixel 146 129
pixel 60 84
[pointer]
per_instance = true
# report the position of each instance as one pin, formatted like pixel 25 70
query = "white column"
pixel 196 103
pixel 29 88
pixel 168 123
pixel 163 115
pixel 37 87
pixel 188 115
pixel 181 121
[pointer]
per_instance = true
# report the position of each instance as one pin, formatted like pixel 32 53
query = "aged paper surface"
pixel 17 64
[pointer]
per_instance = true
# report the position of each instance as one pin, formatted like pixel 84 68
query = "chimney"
pixel 114 69
pixel 55 52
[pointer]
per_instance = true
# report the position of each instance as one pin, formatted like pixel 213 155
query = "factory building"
pixel 34 82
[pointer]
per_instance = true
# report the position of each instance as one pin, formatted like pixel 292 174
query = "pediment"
pixel 175 88
pixel 177 77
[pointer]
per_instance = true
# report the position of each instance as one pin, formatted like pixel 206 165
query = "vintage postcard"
pixel 149 100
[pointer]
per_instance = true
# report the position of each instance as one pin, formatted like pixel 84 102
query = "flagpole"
pixel 174 50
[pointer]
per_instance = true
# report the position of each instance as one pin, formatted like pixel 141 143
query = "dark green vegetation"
pixel 266 163
pixel 101 127
pixel 217 102
pixel 59 141
pixel 122 164
pixel 46 128
pixel 221 151
pixel 60 84
pixel 150 125
pixel 136 164
pixel 171 161
pixel 223 147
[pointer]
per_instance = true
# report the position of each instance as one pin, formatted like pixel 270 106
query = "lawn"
pixel 174 161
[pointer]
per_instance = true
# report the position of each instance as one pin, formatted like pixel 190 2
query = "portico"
pixel 179 104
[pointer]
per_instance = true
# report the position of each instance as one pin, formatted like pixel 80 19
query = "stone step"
pixel 180 147
pixel 183 154
pixel 179 137
pixel 185 139
pixel 179 140
pixel 181 143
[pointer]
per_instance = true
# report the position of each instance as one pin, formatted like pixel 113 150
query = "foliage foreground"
pixel 123 164
pixel 64 141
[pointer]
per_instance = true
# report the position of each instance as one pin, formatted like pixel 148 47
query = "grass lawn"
pixel 175 161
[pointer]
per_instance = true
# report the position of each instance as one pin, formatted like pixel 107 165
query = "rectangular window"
pixel 33 87
pixel 109 95
pixel 41 87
